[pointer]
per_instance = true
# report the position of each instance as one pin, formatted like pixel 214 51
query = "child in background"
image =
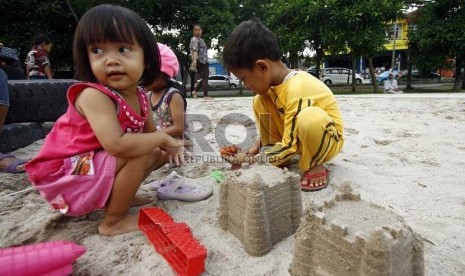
pixel 295 112
pixel 105 145
pixel 37 60
pixel 168 103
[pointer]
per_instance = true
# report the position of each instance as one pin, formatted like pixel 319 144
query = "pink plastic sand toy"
pixel 48 258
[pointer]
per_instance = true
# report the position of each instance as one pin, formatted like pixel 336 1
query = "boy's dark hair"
pixel 112 23
pixel 195 25
pixel 250 41
pixel 41 38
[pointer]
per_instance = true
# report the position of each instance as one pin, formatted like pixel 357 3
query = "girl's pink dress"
pixel 72 171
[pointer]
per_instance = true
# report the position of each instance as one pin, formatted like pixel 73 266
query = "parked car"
pixel 221 81
pixel 416 74
pixel 233 82
pixel 385 75
pixel 336 75
pixel 312 71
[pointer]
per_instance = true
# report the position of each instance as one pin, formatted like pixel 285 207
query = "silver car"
pixel 221 81
pixel 335 75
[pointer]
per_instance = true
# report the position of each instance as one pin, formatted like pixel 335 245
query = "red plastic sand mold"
pixel 174 241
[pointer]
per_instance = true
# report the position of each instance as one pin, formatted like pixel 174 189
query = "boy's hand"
pixel 233 155
pixel 254 149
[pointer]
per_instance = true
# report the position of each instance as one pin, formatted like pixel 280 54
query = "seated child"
pixel 104 146
pixel 168 103
pixel 295 112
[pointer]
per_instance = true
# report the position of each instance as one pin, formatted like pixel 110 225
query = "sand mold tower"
pixel 261 205
pixel 348 236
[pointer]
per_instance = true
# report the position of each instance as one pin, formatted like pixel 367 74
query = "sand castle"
pixel 348 236
pixel 261 205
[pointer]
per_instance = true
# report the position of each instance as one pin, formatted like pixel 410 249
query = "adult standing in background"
pixel 37 60
pixel 199 56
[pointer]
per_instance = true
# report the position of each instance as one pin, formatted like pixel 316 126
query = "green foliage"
pixel 439 34
pixel 22 19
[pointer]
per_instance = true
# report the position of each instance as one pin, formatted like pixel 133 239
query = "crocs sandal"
pixel 11 168
pixel 310 177
pixel 177 187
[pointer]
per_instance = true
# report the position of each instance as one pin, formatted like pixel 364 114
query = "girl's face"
pixel 197 31
pixel 159 84
pixel 118 65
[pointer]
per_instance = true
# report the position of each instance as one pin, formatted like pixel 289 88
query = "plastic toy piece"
pixel 217 175
pixel 174 241
pixel 48 258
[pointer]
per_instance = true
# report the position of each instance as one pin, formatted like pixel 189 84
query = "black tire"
pixel 358 81
pixel 233 85
pixel 328 82
pixel 37 100
pixel 15 136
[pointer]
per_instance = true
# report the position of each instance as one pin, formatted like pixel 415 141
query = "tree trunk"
pixel 353 72
pixel 458 74
pixel 462 66
pixel 318 59
pixel 76 18
pixel 374 82
pixel 409 72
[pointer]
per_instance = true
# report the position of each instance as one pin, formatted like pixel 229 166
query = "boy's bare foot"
pixel 141 199
pixel 194 94
pixel 314 179
pixel 125 225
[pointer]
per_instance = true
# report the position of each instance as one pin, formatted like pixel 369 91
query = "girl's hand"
pixel 175 151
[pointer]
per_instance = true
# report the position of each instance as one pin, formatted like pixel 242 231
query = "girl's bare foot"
pixel 315 178
pixel 141 199
pixel 122 226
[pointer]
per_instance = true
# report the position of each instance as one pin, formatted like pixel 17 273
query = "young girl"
pixel 104 146
pixel 168 103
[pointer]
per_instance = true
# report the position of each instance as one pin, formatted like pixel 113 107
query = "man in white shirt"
pixel 390 85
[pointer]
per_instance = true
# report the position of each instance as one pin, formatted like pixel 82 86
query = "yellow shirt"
pixel 294 94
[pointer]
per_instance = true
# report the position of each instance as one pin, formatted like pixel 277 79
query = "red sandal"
pixel 310 177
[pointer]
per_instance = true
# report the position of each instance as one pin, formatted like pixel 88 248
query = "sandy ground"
pixel 403 152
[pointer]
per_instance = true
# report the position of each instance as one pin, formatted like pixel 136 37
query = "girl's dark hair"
pixel 249 42
pixel 41 38
pixel 112 23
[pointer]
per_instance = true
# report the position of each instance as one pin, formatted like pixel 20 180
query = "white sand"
pixel 403 152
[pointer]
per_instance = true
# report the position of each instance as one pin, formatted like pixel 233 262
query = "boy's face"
pixel 256 79
pixel 47 47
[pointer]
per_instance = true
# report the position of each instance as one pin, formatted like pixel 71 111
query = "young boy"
pixel 295 112
pixel 37 60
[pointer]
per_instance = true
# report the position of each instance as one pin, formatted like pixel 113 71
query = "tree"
pixel 299 21
pixel 361 25
pixel 335 26
pixel 439 35
pixel 22 19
